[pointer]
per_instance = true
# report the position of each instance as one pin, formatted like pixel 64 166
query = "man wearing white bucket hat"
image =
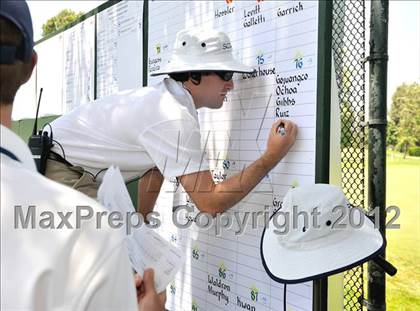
pixel 315 234
pixel 157 126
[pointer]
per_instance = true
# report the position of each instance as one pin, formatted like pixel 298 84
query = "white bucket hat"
pixel 320 248
pixel 202 50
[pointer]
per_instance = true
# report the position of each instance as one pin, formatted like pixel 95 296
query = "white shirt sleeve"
pixel 175 147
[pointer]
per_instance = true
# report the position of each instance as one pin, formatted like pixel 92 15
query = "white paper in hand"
pixel 113 194
pixel 146 248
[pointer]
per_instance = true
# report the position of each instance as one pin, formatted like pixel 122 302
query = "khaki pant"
pixel 72 176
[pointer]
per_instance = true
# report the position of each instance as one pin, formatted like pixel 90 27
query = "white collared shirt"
pixel 44 267
pixel 135 130
pixel 10 141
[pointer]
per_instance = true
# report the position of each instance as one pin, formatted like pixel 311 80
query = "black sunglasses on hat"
pixel 224 75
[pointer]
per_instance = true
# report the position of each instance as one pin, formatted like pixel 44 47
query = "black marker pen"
pixel 281 130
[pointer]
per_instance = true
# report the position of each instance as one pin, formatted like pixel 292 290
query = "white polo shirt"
pixel 55 269
pixel 135 130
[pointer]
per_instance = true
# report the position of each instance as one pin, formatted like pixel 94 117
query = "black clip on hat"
pixel 17 12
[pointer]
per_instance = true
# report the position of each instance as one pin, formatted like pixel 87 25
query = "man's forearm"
pixel 148 191
pixel 213 199
pixel 231 191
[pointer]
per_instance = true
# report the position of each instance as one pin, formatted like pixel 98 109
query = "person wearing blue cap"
pixel 51 266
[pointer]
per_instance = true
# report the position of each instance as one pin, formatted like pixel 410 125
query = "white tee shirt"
pixel 135 130
pixel 55 269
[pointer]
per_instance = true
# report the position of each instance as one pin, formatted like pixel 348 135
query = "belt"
pixel 56 157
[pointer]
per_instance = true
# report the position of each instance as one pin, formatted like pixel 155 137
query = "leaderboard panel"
pixel 280 40
pixel 65 70
pixel 166 18
pixel 49 75
pixel 78 64
pixel 119 48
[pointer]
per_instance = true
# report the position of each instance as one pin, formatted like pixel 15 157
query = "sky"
pixel 403 43
pixel 403 35
pixel 41 11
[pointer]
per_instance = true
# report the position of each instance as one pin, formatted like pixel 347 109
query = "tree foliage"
pixel 348 123
pixel 351 115
pixel 59 21
pixel 404 124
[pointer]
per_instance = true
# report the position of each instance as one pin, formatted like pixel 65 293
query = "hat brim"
pixel 177 67
pixel 348 248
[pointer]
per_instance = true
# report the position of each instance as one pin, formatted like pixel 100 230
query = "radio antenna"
pixel 37 111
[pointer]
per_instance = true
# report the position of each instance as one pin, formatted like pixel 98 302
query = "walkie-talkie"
pixel 40 144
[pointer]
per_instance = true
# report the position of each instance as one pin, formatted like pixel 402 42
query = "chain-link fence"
pixel 348 44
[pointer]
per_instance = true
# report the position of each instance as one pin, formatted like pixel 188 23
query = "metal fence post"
pixel 377 139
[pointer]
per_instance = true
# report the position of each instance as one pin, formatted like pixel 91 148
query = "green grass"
pixel 403 250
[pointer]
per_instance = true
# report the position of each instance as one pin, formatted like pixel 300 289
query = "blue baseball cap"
pixel 17 12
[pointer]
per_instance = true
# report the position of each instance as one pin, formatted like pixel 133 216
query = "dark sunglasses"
pixel 224 75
